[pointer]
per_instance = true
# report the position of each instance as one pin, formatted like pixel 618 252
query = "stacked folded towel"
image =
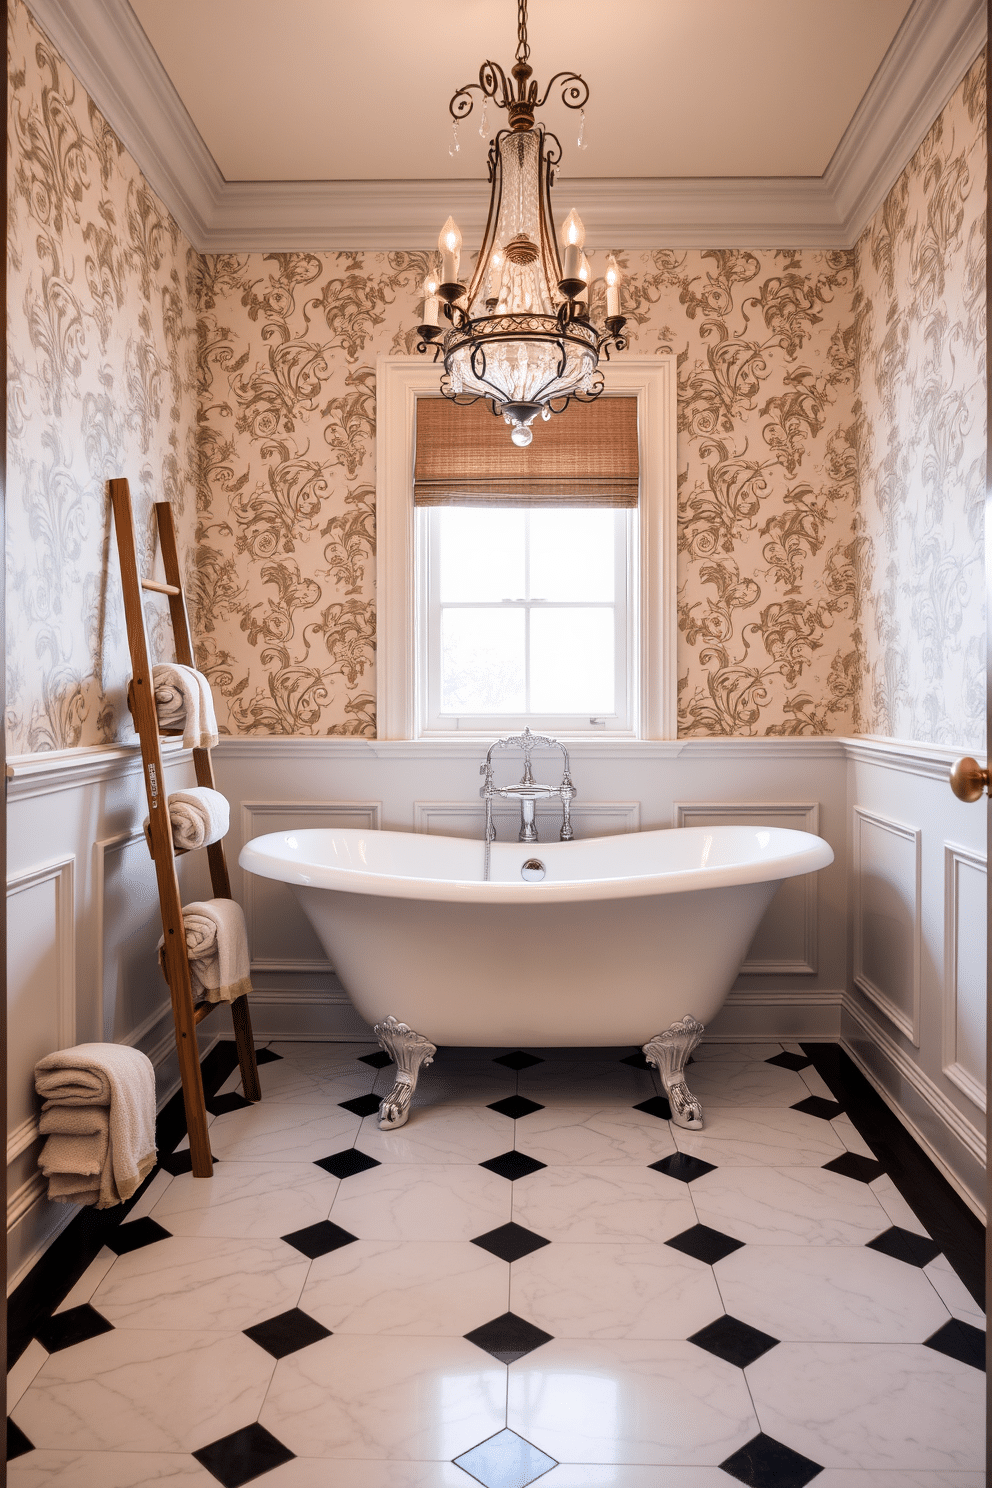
pixel 198 816
pixel 183 700
pixel 217 945
pixel 99 1118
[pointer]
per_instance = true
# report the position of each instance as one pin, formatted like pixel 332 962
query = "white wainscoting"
pixel 468 819
pixel 965 970
pixel 887 917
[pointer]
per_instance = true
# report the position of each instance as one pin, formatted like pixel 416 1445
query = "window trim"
pixel 400 381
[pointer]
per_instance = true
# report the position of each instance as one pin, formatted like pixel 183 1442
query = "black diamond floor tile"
pixel 854 1165
pixel 510 1242
pixel 72 1326
pixel 508 1337
pixel 347 1163
pixel 178 1162
pixel 637 1061
pixel 17 1442
pixel 790 1061
pixel 764 1462
pixel 736 1342
pixel 266 1056
pixel 515 1105
pixel 134 1236
pixel 818 1105
pixel 378 1060
pixel 219 1105
pixel 287 1333
pixel 705 1244
pixel 683 1167
pixel 319 1239
pixel 362 1105
pixel 243 1456
pixel 518 1060
pixel 915 1250
pixel 656 1106
pixel 505 1461
pixel 961 1341
pixel 513 1165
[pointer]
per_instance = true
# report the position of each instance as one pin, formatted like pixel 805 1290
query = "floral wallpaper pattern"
pixel 101 366
pixel 921 439
pixel 767 472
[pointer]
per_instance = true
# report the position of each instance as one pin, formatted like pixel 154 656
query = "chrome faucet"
pixel 528 791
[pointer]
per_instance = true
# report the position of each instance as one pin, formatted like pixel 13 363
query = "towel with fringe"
pixel 183 700
pixel 198 816
pixel 217 946
pixel 98 1119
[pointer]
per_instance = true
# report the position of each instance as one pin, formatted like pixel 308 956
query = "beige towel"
pixel 99 1117
pixel 183 700
pixel 198 816
pixel 217 945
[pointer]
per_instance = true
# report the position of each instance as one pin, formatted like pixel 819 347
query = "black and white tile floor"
pixel 539 1279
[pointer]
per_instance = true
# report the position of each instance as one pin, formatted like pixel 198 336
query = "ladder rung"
pixel 157 588
pixel 203 1010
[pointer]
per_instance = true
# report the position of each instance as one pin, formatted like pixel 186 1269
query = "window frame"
pixel 401 381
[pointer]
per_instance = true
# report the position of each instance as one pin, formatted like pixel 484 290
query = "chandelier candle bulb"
pixel 612 289
pixel 431 302
pixel 573 237
pixel 450 243
pixel 585 274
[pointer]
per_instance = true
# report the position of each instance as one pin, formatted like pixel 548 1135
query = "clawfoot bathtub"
pixel 633 939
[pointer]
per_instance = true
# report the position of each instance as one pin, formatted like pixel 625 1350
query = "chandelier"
pixel 519 334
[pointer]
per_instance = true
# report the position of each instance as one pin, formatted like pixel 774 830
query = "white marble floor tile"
pixel 271 1132
pixel 788 1206
pixel 248 1200
pixel 73 1469
pixel 442 1133
pixel 953 1292
pixel 452 1088
pixel 286 1083
pixel 760 1138
pixel 632 1402
pixel 620 1475
pixel 194 1282
pixel 614 1291
pixel 842 1477
pixel 871 1405
pixel 586 1082
pixel 326 1059
pixel 896 1207
pixel 24 1371
pixel 851 1137
pixel 426 1288
pixel 89 1281
pixel 422 1201
pixel 561 1135
pixel 323 1472
pixel 163 1390
pixel 815 1083
pixel 738 1053
pixel 150 1197
pixel 829 1294
pixel 720 1082
pixel 415 1399
pixel 602 1204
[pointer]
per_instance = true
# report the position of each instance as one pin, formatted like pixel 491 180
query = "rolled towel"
pixel 183 700
pixel 199 816
pixel 217 946
pixel 97 1082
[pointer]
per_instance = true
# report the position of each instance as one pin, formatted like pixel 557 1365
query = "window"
pixel 491 616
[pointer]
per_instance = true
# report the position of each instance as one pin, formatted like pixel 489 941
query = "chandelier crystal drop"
pixel 519 333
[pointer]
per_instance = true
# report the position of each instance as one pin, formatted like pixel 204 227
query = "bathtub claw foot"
pixel 669 1052
pixel 409 1051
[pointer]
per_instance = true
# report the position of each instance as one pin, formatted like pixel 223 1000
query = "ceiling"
pixel 333 90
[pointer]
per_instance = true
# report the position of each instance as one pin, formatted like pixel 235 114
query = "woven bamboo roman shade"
pixel 586 456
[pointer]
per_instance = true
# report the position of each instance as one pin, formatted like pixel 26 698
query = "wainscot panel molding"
pixel 468 819
pixel 887 917
pixel 965 978
pixel 785 943
pixel 106 47
pixel 70 769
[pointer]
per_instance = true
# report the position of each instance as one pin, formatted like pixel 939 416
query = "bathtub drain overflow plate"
pixel 533 870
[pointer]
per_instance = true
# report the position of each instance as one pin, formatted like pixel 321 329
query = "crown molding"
pixel 105 46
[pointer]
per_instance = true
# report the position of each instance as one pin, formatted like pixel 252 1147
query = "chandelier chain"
pixel 523 47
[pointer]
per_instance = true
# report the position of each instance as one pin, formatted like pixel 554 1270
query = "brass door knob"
pixel 969 780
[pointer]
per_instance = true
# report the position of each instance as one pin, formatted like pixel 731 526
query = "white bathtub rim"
pixel 267 856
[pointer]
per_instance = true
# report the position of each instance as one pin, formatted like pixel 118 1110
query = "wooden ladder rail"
pixel 176 961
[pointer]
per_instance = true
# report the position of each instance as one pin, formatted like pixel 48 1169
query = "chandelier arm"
pixel 492 84
pixel 574 90
pixel 489 236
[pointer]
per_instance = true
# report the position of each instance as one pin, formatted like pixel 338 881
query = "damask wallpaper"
pixel 101 349
pixel 921 437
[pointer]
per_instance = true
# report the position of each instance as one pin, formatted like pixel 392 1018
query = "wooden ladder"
pixel 141 701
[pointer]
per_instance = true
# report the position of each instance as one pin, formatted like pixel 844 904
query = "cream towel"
pixel 198 816
pixel 183 700
pixel 217 945
pixel 99 1100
